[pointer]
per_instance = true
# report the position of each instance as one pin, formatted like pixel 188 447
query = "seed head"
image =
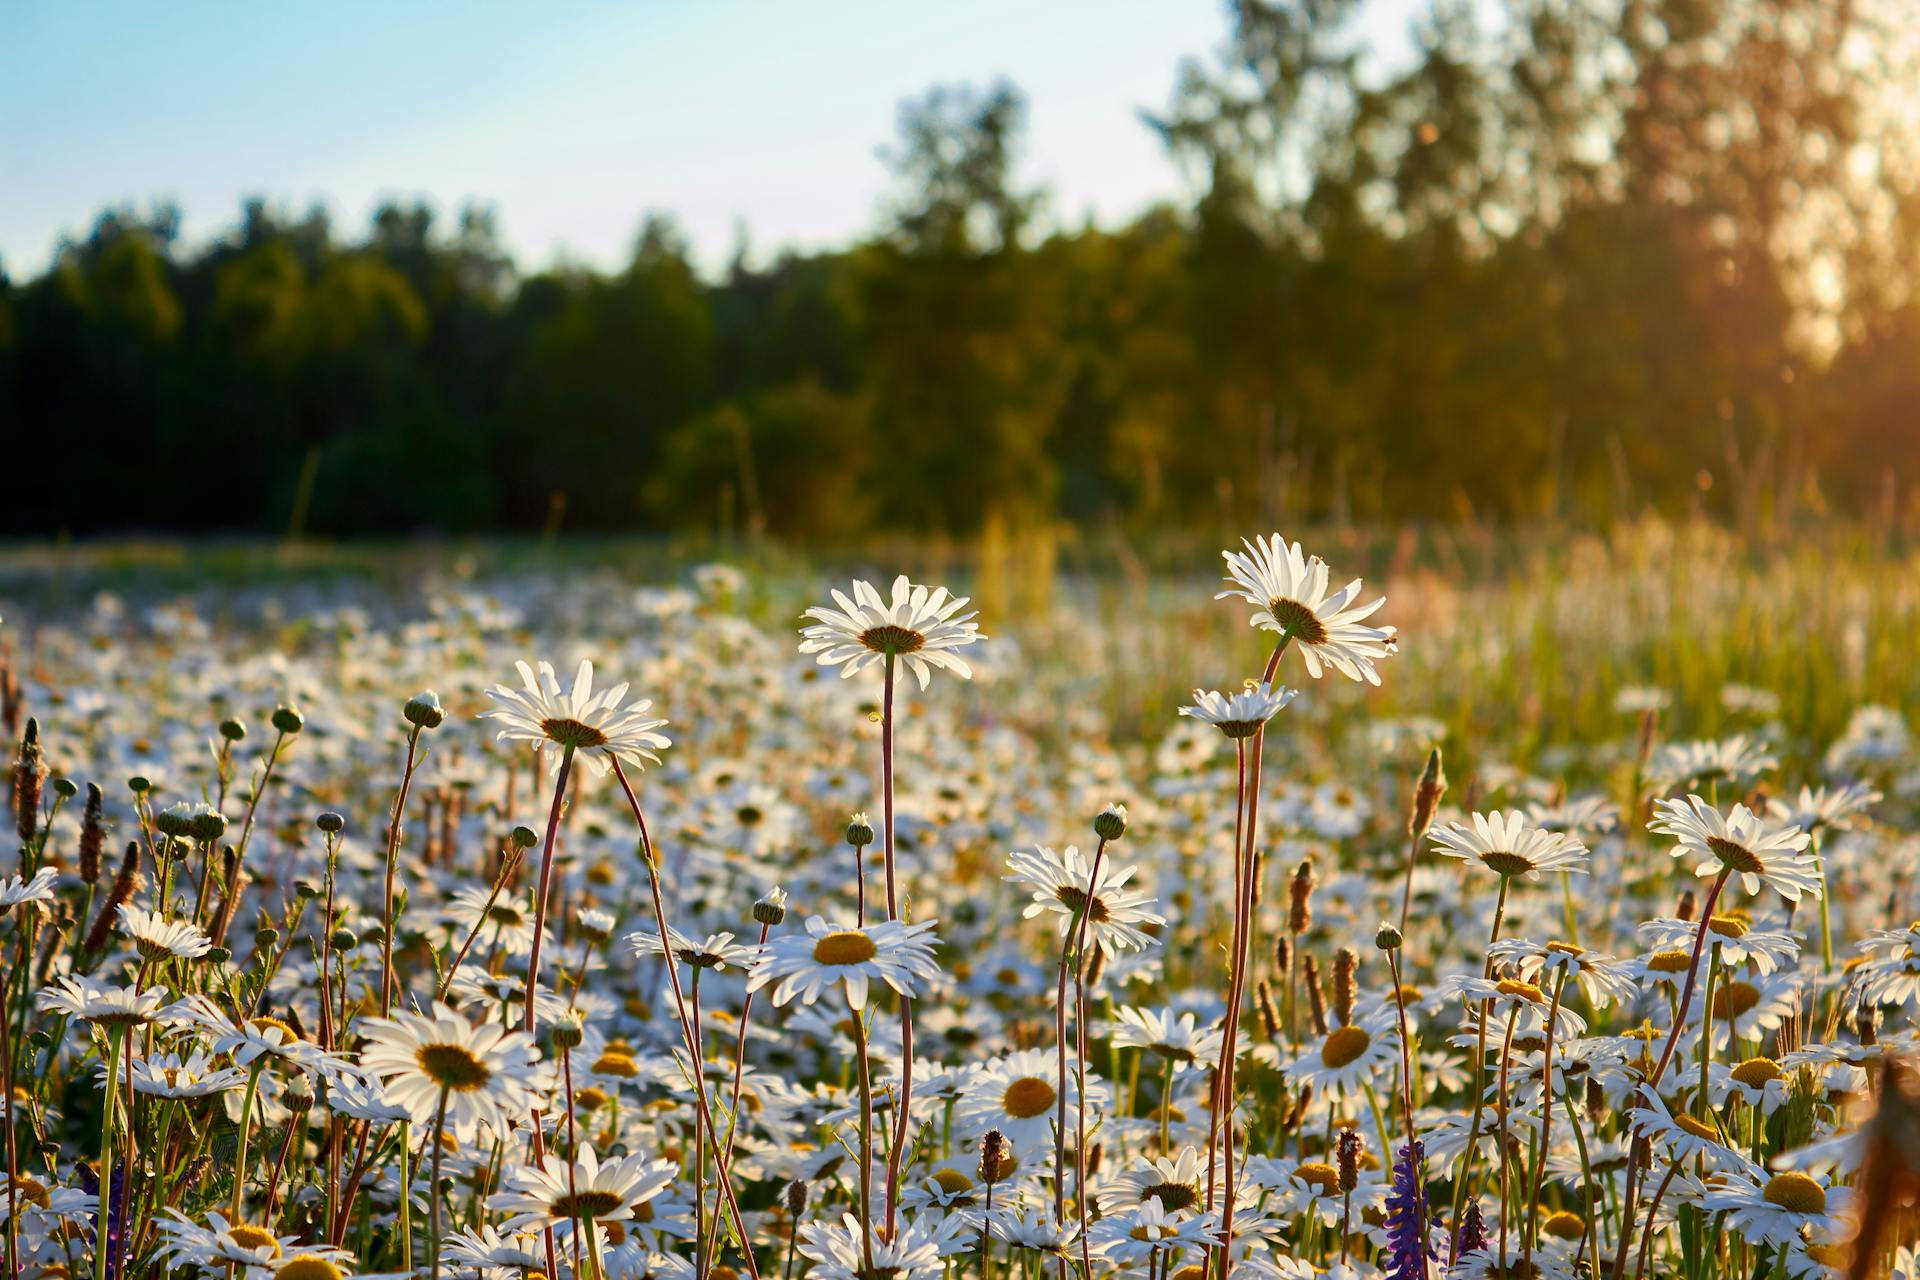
pixel 796 1198
pixel 1866 1024
pixel 1300 898
pixel 993 1156
pixel 1685 910
pixel 1263 1001
pixel 1426 795
pixel 1316 998
pixel 93 833
pixel 1346 965
pixel 1283 954
pixel 1347 1159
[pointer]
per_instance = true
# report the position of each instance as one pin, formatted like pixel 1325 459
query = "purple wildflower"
pixel 1473 1231
pixel 1408 1248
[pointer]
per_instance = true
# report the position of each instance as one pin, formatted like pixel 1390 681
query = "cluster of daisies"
pixel 877 979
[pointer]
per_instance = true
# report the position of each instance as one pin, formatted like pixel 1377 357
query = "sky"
pixel 573 120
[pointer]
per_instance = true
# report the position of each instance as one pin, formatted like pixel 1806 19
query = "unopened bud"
pixel 331 823
pixel 233 730
pixel 525 837
pixel 1387 938
pixel 424 709
pixel 1111 822
pixel 772 909
pixel 859 831
pixel 288 720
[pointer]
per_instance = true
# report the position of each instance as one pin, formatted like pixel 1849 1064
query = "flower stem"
pixel 393 858
pixel 103 1213
pixel 433 1187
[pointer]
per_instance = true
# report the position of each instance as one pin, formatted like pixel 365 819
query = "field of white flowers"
pixel 1542 920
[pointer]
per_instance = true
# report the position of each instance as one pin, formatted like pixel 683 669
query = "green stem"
pixel 433 1187
pixel 103 1215
pixel 246 1125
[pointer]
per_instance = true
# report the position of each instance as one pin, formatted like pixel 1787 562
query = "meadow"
pixel 1553 919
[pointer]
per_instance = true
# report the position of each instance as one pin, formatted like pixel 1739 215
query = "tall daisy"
pixel 487 1073
pixel 919 626
pixel 805 964
pixel 1507 843
pixel 1289 592
pixel 555 1192
pixel 1115 915
pixel 1739 843
pixel 1243 713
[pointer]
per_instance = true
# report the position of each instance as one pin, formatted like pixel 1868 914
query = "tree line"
pixel 1590 258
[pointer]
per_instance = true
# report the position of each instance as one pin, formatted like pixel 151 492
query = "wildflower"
pixel 1779 1208
pixel 1018 1095
pixel 481 1074
pixel 920 626
pixel 1739 843
pixel 155 937
pixel 540 711
pixel 1115 914
pixel 1288 590
pixel 1506 843
pixel 1178 1042
pixel 1243 713
pixel 554 1192
pixel 805 964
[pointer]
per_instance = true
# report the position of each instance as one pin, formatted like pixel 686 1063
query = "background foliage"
pixel 1593 257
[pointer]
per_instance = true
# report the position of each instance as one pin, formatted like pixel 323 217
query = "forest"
pixel 1576 261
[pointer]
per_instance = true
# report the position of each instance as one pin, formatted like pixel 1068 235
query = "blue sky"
pixel 573 119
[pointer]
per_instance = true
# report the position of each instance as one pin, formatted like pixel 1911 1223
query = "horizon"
pixel 575 132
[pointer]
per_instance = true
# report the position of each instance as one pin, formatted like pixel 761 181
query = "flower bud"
pixel 233 730
pixel 139 784
pixel 859 831
pixel 288 720
pixel 218 955
pixel 66 788
pixel 424 709
pixel 568 1031
pixel 331 823
pixel 1387 938
pixel 772 909
pixel 344 939
pixel 265 937
pixel 525 837
pixel 1111 822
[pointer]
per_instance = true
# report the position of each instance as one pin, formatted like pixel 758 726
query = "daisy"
pixel 506 919
pixel 1019 1095
pixel 1824 809
pixel 89 1001
pixel 1738 843
pixel 1176 1185
pixel 921 626
pixel 554 1192
pixel 577 718
pixel 1779 1208
pixel 715 951
pixel 1059 880
pixel 1243 713
pixel 1288 591
pixel 1350 1056
pixel 1682 1135
pixel 220 1246
pixel 1032 1229
pixel 1603 978
pixel 485 1249
pixel 481 1075
pixel 806 964
pixel 1507 843
pixel 1733 933
pixel 154 936
pixel 15 891
pixel 838 1250
pixel 1758 1082
pixel 1130 1236
pixel 1177 1042
pixel 167 1075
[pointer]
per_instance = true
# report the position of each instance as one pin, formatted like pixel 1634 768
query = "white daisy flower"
pixel 1507 843
pixel 1242 713
pixel 1019 1094
pixel 485 1073
pixel 154 936
pixel 1739 843
pixel 920 626
pixel 1115 914
pixel 1781 1207
pixel 806 964
pixel 1288 590
pixel 554 1192
pixel 594 723
pixel 1350 1056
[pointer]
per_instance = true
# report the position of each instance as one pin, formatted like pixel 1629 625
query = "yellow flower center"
pixel 453 1067
pixel 32 1191
pixel 571 733
pixel 587 1202
pixel 1755 1072
pixel 1191 1271
pixel 1343 1046
pixel 1074 899
pixel 1796 1193
pixel 615 1063
pixel 1507 863
pixel 1173 1196
pixel 1727 926
pixel 1298 621
pixel 1525 990
pixel 1027 1097
pixel 1322 1177
pixel 262 1023
pixel 1567 948
pixel 1564 1225
pixel 1735 999
pixel 590 1099
pixel 891 639
pixel 1736 856
pixel 952 1181
pixel 1697 1128
pixel 1672 960
pixel 309 1266
pixel 847 946
pixel 248 1236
